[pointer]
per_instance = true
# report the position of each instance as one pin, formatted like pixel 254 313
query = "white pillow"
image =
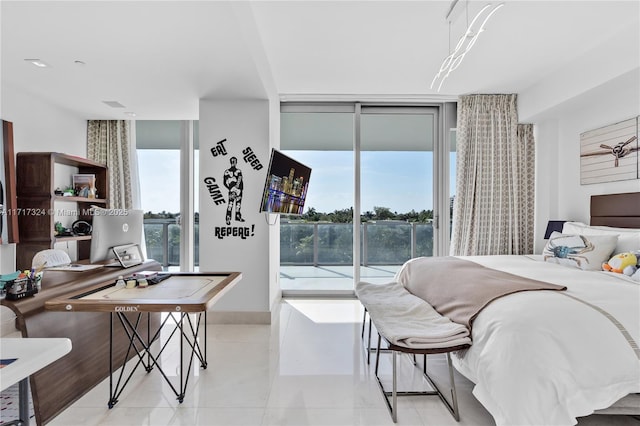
pixel 628 238
pixel 580 251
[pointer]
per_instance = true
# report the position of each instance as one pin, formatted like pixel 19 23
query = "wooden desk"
pixel 30 355
pixel 58 385
pixel 179 295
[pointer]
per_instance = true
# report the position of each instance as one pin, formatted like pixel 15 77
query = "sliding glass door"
pixel 316 249
pixel 379 183
pixel 396 187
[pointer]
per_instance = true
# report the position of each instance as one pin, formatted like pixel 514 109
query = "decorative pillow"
pixel 586 252
pixel 628 238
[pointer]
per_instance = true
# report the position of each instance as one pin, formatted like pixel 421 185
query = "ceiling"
pixel 158 59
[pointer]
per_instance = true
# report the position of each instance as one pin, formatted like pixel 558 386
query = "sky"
pixel 159 180
pixel 401 181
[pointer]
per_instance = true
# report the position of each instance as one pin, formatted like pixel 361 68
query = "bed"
pixel 548 357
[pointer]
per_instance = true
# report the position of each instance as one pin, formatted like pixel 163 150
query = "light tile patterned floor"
pixel 308 368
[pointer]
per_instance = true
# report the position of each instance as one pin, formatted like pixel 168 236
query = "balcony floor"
pixel 331 278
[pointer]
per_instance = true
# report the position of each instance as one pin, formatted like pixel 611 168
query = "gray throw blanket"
pixel 459 289
pixel 408 321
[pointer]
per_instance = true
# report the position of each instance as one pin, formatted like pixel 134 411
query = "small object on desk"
pixel 120 282
pixel 145 274
pixel 131 283
pixel 51 257
pixel 158 278
pixel 74 267
pixel 20 285
pixel 142 282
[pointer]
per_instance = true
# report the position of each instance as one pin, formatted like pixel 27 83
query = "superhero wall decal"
pixel 228 195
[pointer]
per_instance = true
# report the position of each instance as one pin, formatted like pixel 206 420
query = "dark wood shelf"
pixel 72 160
pixel 81 199
pixel 35 188
pixel 72 238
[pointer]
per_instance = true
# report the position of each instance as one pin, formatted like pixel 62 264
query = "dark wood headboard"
pixel 619 210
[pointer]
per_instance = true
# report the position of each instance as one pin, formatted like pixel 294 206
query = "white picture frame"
pixel 610 153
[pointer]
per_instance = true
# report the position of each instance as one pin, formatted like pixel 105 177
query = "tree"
pixel 341 216
pixel 383 213
pixel 312 215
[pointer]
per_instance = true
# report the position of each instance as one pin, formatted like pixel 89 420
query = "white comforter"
pixel 542 358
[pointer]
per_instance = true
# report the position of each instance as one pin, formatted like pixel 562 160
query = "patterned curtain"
pixel 494 205
pixel 108 143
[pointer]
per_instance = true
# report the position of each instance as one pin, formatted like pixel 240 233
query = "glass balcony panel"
pixel 154 240
pixel 387 243
pixel 424 240
pixel 296 244
pixel 335 244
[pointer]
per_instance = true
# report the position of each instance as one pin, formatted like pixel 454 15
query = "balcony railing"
pixel 382 243
pixel 313 244
pixel 162 238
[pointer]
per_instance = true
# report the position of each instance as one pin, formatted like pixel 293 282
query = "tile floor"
pixel 308 368
pixel 334 279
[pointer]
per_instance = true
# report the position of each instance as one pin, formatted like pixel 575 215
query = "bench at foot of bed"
pixel 409 325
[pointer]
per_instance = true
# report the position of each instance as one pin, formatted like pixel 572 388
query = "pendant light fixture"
pixel 466 42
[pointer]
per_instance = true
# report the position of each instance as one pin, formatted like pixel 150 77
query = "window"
pixel 389 163
pixel 161 147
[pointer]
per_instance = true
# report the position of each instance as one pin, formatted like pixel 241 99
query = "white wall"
pixel 611 59
pixel 41 126
pixel 597 88
pixel 559 194
pixel 244 124
pixel 275 292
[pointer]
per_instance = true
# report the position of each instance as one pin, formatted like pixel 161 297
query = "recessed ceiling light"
pixel 38 63
pixel 130 114
pixel 114 104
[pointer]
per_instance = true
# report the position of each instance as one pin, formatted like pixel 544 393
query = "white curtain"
pixel 494 204
pixel 109 142
pixel 136 197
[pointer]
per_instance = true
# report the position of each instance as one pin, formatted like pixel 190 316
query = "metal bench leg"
pixel 367 346
pixel 392 403
pixel 453 405
pixel 394 392
pixel 378 354
pixel 454 396
pixel 369 343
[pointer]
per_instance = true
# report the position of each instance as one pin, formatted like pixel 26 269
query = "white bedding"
pixel 543 358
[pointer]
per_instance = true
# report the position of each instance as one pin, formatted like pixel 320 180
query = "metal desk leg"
pixel 23 396
pixel 23 405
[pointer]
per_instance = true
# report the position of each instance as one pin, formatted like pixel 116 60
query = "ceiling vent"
pixel 114 104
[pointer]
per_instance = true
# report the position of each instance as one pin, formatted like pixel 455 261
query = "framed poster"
pixel 610 153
